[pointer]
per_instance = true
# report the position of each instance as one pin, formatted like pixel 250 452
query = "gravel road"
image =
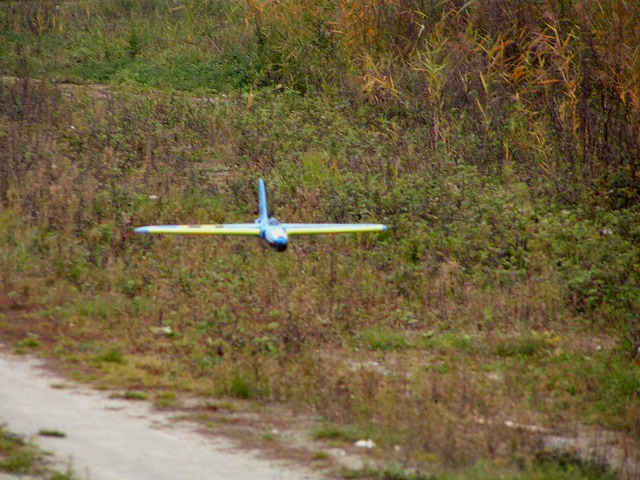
pixel 114 439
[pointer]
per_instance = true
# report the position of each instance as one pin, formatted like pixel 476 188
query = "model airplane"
pixel 270 230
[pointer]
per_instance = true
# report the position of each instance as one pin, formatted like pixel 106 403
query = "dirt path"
pixel 109 438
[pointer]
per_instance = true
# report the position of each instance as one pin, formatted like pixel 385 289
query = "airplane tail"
pixel 262 200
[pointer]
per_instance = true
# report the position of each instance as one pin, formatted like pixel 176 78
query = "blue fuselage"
pixel 270 229
pixel 273 234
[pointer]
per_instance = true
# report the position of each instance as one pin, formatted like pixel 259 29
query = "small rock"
pixel 368 444
pixel 165 330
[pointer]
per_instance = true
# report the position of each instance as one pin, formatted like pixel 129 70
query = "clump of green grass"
pixel 382 339
pixel 51 432
pixel 245 387
pixel 224 420
pixel 133 395
pixel 20 458
pixel 392 472
pixel 544 467
pixel 446 342
pixel 63 476
pixel 91 307
pixel 165 399
pixel 397 472
pixel 29 343
pixel 268 436
pixel 364 472
pixel 241 388
pixel 527 346
pixel 14 456
pixel 320 456
pixel 111 355
pixel 336 433
pixel 20 461
pixel 567 466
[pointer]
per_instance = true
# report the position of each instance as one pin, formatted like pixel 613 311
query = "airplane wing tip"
pixel 314 228
pixel 230 229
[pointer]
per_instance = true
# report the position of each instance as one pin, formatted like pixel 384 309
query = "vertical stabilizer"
pixel 262 200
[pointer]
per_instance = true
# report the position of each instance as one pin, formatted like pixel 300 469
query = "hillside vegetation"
pixel 500 141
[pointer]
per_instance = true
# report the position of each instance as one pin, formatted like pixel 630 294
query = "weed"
pixel 320 456
pixel 48 432
pixel 336 434
pixel 245 387
pixel 447 342
pixel 133 395
pixel 20 458
pixel 268 436
pixel 8 441
pixel 165 399
pixel 16 456
pixel 240 388
pixel 397 472
pixel 565 465
pixel 522 347
pixel 352 473
pixel 112 355
pixel 63 476
pixel 27 344
pixel 382 340
pixel 20 462
pixel 226 420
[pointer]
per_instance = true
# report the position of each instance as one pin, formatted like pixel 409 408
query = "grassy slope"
pixel 19 458
pixel 507 287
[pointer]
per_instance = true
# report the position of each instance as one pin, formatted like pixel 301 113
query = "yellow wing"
pixel 329 228
pixel 228 229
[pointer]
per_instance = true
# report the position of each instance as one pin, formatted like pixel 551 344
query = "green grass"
pixel 135 396
pixel 18 462
pixel 544 469
pixel 268 436
pixel 336 433
pixel 112 355
pixel 20 458
pixel 63 476
pixel 446 342
pixel 165 399
pixel 528 346
pixel 48 432
pixel 240 388
pixel 382 340
pixel 26 345
pixel 245 387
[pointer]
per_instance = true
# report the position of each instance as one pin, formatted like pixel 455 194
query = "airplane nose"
pixel 280 244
